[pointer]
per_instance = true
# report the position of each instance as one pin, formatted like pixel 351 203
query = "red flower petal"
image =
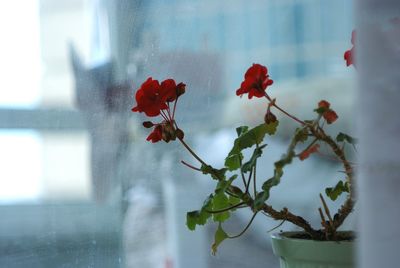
pixel 148 98
pixel 155 135
pixel 330 116
pixel 349 54
pixel 168 90
pixel 306 153
pixel 348 57
pixel 256 71
pixel 324 104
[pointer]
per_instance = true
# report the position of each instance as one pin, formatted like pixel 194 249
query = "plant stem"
pixel 163 115
pixel 248 181
pixel 224 209
pixel 276 227
pixel 192 152
pixel 201 161
pixel 255 180
pixel 231 194
pixel 190 166
pixel 339 153
pixel 348 206
pixel 334 158
pixel 327 212
pixel 323 223
pixel 173 112
pixel 285 214
pixel 283 111
pixel 245 229
pixel 241 172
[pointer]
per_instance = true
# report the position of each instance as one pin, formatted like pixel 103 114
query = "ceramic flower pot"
pixel 303 253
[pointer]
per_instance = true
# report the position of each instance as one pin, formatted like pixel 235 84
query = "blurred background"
pixel 80 186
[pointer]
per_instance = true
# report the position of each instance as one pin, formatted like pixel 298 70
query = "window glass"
pixel 81 186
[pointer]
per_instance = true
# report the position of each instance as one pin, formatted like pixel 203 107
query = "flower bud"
pixel 269 117
pixel 148 124
pixel 324 104
pixel 180 89
pixel 179 134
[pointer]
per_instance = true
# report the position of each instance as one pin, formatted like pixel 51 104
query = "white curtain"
pixel 378 66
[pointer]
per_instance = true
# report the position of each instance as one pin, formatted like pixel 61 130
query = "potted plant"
pixel 236 183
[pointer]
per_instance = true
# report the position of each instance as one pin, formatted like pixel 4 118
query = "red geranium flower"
pixel 148 98
pixel 156 134
pixel 349 54
pixel 255 82
pixel 153 99
pixel 329 115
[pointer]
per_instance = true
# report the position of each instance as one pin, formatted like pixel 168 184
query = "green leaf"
pixel 232 162
pixel 248 166
pixel 220 201
pixel 199 217
pixel 216 174
pixel 191 219
pixel 196 217
pixel 207 204
pixel 219 236
pixel 334 192
pixel 275 180
pixel 344 137
pixel 248 139
pixel 233 201
pixel 253 136
pixel 241 130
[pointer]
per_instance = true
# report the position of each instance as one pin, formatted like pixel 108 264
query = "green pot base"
pixel 303 253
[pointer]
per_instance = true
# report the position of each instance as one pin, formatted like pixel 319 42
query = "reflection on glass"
pixel 21 161
pixel 20 53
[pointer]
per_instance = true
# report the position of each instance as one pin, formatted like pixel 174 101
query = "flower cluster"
pixel 327 113
pixel 154 99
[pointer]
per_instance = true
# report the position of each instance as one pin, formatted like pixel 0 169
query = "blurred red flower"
pixel 306 153
pixel 329 115
pixel 256 80
pixel 156 134
pixel 349 54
